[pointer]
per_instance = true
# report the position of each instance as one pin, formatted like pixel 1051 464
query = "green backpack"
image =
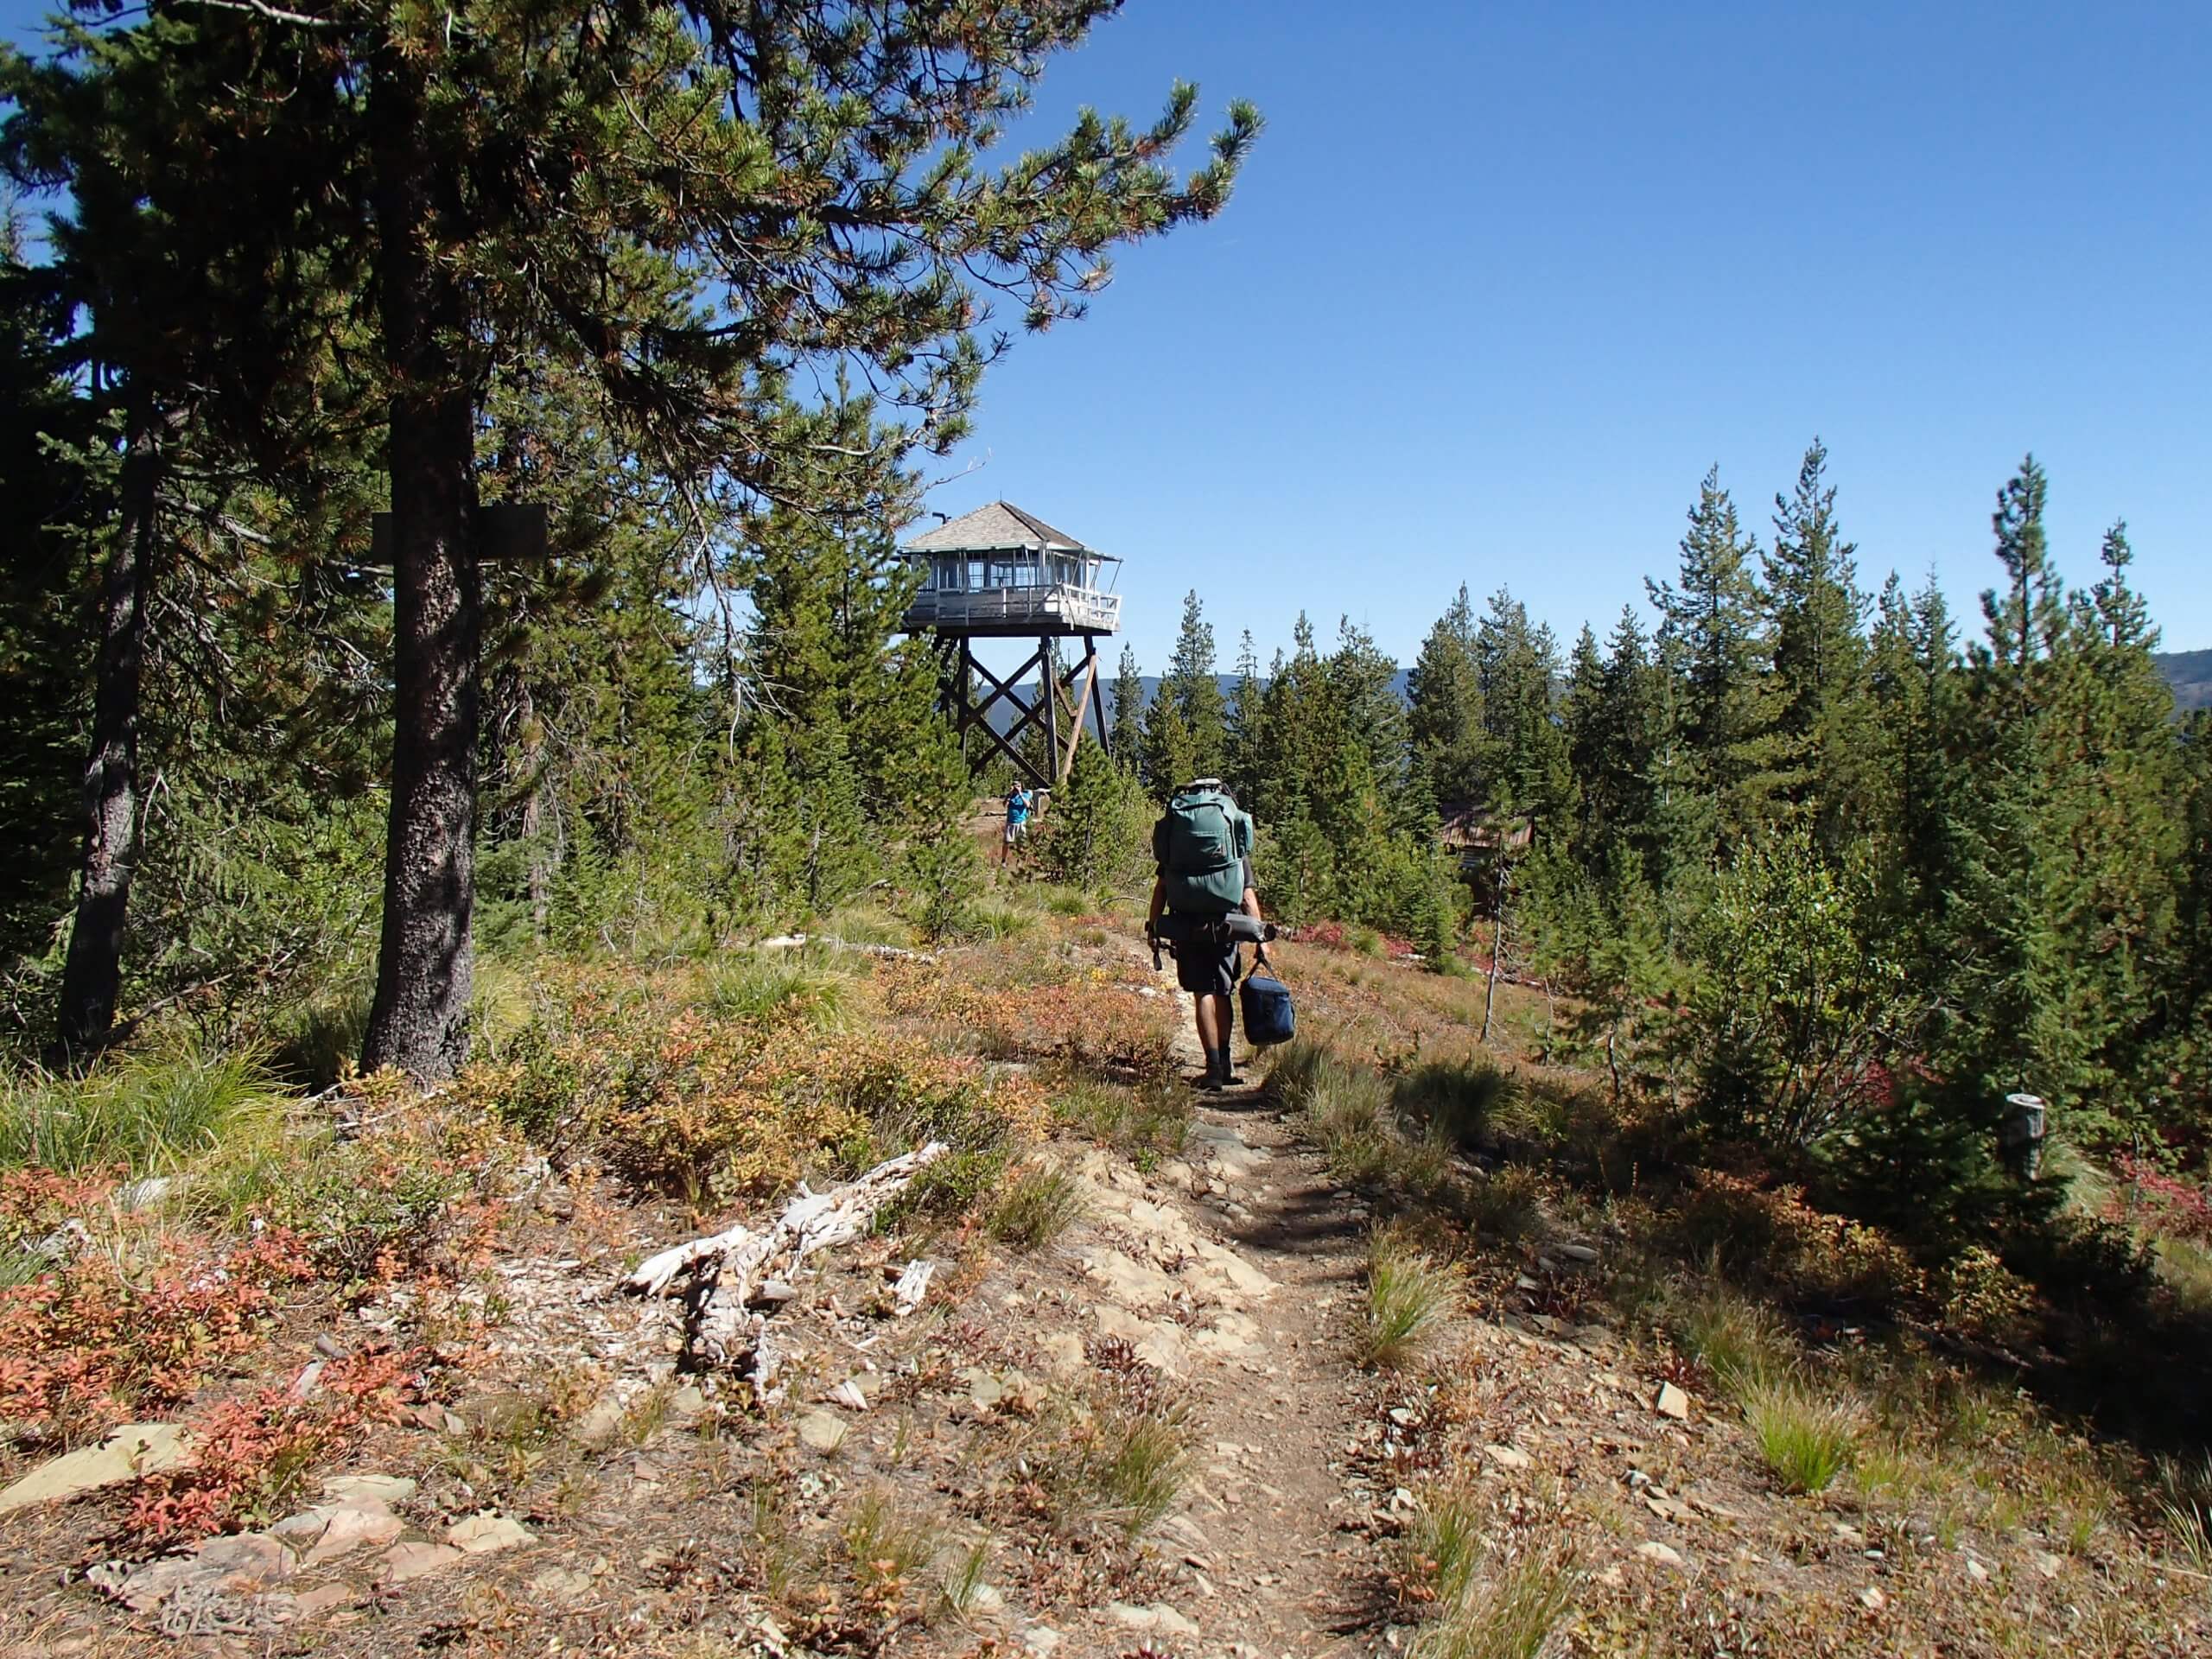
pixel 1201 843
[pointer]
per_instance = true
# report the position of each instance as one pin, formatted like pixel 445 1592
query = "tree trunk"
pixel 418 1021
pixel 92 977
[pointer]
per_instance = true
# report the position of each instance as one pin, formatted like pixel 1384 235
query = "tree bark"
pixel 91 975
pixel 418 1021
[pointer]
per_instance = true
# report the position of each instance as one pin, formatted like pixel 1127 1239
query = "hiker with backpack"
pixel 1020 801
pixel 1204 909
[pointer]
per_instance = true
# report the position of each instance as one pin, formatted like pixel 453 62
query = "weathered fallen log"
pixel 725 1273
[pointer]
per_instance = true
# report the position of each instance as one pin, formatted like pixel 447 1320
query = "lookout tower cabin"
pixel 999 574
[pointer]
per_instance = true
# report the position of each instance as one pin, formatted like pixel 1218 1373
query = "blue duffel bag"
pixel 1264 1001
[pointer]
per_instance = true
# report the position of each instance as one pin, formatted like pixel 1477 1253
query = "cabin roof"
pixel 1000 527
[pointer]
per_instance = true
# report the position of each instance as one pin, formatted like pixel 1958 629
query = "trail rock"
pixel 403 1562
pixel 330 1530
pixel 487 1531
pixel 1158 1618
pixel 134 1449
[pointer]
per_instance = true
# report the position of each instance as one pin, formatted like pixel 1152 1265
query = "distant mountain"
pixel 2190 672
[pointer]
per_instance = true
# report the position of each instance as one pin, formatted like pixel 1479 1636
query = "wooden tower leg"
pixel 1048 688
pixel 1084 702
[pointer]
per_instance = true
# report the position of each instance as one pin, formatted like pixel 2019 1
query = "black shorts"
pixel 1205 969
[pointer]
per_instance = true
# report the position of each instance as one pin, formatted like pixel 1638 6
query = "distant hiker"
pixel 1203 906
pixel 1019 805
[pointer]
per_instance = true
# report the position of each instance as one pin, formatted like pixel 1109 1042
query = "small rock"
pixel 821 1430
pixel 413 1560
pixel 330 1530
pixel 1672 1402
pixel 848 1395
pixel 2048 1564
pixel 562 1584
pixel 1507 1457
pixel 1582 1253
pixel 1976 1570
pixel 598 1427
pixel 365 1491
pixel 1158 1618
pixel 1522 1281
pixel 487 1531
pixel 1872 1599
pixel 310 1379
pixel 1064 1353
pixel 325 1598
pixel 1665 1555
pixel 1041 1638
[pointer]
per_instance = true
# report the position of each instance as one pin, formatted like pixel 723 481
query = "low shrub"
pixel 87 1345
pixel 251 1458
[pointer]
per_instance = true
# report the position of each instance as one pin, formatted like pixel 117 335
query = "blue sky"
pixel 1501 283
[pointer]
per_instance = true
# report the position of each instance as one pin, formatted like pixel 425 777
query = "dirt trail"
pixel 1274 1571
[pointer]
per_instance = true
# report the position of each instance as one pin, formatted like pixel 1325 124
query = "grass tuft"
pixel 1804 1438
pixel 149 1112
pixel 760 987
pixel 1041 1205
pixel 1740 1343
pixel 1407 1296
pixel 1454 1100
pixel 884 1547
pixel 1443 1549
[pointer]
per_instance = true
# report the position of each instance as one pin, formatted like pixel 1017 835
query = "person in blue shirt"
pixel 1019 805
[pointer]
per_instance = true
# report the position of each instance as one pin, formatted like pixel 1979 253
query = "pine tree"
pixel 1714 620
pixel 1819 659
pixel 1128 708
pixel 1247 742
pixel 1444 710
pixel 469 180
pixel 1190 685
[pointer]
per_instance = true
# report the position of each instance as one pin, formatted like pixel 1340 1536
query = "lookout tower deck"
pixel 1001 573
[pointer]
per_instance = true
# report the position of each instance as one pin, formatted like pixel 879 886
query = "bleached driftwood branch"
pixel 727 1272
pixel 831 942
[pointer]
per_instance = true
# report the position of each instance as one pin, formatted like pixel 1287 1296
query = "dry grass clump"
pixel 1041 1205
pixel 1510 1613
pixel 885 1549
pixel 1508 1205
pixel 775 988
pixel 1407 1295
pixel 1147 1122
pixel 1348 1109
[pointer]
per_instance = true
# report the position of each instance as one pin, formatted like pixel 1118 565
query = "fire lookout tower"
pixel 999 574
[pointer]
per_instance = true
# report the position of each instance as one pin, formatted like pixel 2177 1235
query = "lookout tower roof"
pixel 1000 527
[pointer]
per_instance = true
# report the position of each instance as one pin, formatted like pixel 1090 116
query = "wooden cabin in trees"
pixel 999 573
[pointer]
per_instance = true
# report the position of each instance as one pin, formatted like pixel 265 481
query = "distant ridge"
pixel 2190 673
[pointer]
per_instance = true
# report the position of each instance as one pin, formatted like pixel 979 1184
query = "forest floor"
pixel 1244 1374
